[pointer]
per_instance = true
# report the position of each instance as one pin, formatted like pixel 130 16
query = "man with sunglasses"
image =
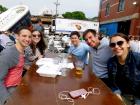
pixel 99 52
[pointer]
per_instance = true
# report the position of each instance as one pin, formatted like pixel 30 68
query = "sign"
pixel 69 25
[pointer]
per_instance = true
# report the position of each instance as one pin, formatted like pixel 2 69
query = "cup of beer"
pixel 79 66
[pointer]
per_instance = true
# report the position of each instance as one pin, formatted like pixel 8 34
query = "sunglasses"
pixel 36 35
pixel 119 43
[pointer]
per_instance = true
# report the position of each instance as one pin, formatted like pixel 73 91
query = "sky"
pixel 89 7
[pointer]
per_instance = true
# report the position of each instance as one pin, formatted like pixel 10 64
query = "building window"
pixel 107 9
pixel 100 4
pixel 121 5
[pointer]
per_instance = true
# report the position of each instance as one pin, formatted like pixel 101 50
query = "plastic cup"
pixel 79 66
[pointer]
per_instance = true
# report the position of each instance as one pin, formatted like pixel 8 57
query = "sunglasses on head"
pixel 119 43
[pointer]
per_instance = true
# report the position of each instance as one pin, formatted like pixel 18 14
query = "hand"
pixel 26 67
pixel 119 96
pixel 40 56
pixel 70 57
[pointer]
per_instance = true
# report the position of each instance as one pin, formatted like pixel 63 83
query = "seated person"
pixel 79 49
pixel 124 68
pixel 36 50
pixel 11 64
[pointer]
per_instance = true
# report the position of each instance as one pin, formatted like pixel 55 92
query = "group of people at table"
pixel 112 60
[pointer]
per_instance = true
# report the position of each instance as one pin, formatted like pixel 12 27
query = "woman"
pixel 124 68
pixel 38 45
pixel 36 50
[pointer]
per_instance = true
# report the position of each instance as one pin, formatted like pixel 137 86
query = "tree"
pixel 67 15
pixel 2 9
pixel 74 15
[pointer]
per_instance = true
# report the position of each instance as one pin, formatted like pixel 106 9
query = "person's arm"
pixel 29 54
pixel 70 53
pixel 38 54
pixel 90 61
pixel 6 62
pixel 45 51
pixel 111 75
pixel 87 51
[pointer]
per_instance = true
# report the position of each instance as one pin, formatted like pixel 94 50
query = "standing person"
pixel 36 50
pixel 99 52
pixel 39 26
pixel 124 68
pixel 78 49
pixel 5 39
pixel 11 64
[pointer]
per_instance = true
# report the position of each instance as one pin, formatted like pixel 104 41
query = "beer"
pixel 79 71
pixel 79 66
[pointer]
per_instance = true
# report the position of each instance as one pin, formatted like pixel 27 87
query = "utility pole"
pixel 56 9
pixel 56 12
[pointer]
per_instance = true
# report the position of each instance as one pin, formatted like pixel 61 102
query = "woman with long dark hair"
pixel 36 50
pixel 124 69
pixel 38 43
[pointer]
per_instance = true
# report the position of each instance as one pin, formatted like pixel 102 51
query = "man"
pixel 78 49
pixel 99 52
pixel 11 64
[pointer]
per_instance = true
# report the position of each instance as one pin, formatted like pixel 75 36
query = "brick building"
pixel 120 16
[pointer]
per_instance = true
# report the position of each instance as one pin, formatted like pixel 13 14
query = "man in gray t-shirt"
pixel 100 54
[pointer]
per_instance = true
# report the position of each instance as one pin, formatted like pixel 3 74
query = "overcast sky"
pixel 89 7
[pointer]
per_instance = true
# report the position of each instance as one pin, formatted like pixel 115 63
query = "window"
pixel 100 4
pixel 121 5
pixel 107 9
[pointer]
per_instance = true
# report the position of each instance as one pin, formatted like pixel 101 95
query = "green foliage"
pixel 2 8
pixel 67 15
pixel 74 15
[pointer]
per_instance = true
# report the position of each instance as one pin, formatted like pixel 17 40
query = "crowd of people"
pixel 115 60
